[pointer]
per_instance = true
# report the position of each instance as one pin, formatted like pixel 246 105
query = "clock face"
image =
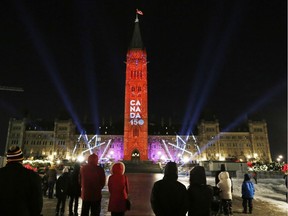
pixel 141 122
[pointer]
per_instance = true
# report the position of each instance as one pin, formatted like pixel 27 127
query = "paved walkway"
pixel 140 189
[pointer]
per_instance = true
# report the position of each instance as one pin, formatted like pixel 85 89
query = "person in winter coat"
pixel 21 193
pixel 225 192
pixel 118 188
pixel 92 182
pixel 247 194
pixel 74 190
pixel 52 177
pixel 45 183
pixel 200 195
pixel 62 185
pixel 222 169
pixel 168 196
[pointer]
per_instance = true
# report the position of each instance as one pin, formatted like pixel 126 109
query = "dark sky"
pixel 222 58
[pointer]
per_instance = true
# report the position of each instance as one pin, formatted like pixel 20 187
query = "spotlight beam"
pixel 179 148
pixel 93 147
pixel 167 150
pixel 202 86
pixel 105 150
pixel 259 103
pixel 47 60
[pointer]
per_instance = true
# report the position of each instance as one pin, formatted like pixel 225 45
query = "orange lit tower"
pixel 136 112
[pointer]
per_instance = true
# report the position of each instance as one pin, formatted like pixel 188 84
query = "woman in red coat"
pixel 118 189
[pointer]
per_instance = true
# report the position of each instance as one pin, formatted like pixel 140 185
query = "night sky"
pixel 225 59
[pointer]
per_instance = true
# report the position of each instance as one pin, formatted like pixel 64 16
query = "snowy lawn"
pixel 269 190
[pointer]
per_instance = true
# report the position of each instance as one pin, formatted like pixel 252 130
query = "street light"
pixel 280 157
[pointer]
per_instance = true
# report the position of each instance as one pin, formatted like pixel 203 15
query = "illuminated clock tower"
pixel 136 108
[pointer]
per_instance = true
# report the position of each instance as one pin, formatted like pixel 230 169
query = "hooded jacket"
pixel 92 180
pixel 247 188
pixel 118 188
pixel 200 195
pixel 225 185
pixel 222 169
pixel 168 196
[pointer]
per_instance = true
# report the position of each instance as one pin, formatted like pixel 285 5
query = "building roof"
pixel 136 42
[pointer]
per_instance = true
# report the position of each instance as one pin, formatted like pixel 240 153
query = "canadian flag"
pixel 139 12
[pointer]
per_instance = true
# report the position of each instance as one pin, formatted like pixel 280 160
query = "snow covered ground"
pixel 269 190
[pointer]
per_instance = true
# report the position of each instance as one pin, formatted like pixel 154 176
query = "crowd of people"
pixel 24 190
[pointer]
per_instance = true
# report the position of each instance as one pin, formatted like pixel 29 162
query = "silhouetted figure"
pixel 247 194
pixel 200 195
pixel 92 181
pixel 286 183
pixel 62 185
pixel 21 193
pixel 169 197
pixel 118 187
pixel 74 190
pixel 254 175
pixel 52 177
pixel 45 183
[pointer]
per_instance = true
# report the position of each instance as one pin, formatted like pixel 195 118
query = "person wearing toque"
pixel 20 188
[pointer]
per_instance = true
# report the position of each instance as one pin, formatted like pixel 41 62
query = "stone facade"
pixel 243 146
pixel 62 141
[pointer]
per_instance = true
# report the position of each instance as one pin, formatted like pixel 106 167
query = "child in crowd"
pixel 247 194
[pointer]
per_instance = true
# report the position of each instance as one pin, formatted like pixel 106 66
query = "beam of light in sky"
pixel 203 84
pixel 265 99
pixel 90 149
pixel 87 142
pixel 47 60
pixel 105 150
pixel 183 146
pixel 87 52
pixel 167 150
pixel 179 148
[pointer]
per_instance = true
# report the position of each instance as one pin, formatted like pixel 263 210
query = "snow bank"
pixel 269 190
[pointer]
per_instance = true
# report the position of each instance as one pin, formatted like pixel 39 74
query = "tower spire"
pixel 136 42
pixel 136 99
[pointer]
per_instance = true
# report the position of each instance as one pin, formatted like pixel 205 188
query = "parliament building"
pixel 61 140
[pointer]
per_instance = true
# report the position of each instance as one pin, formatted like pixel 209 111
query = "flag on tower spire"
pixel 139 12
